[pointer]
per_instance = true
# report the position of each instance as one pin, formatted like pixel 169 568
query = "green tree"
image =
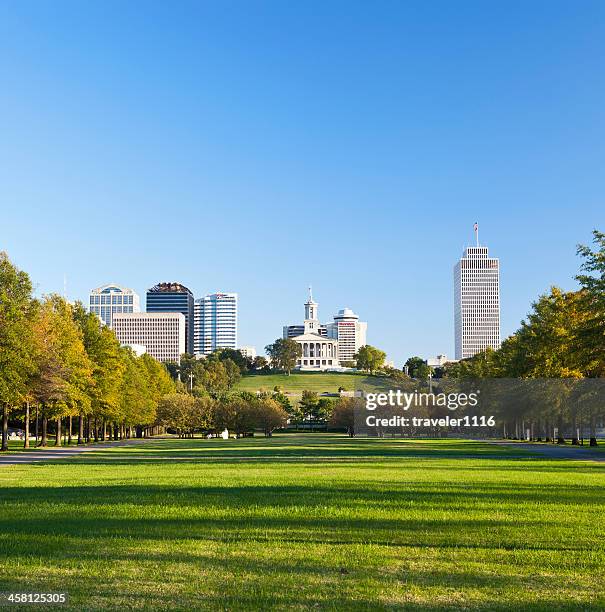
pixel 233 372
pixel 369 358
pixel 309 405
pixel 234 355
pixel 205 412
pixel 343 415
pixel 16 350
pixel 159 384
pixel 235 413
pixel 259 363
pixel 590 334
pixel 65 372
pixel 270 415
pixel 214 377
pixel 178 411
pixel 138 400
pixel 412 365
pixel 103 350
pixel 284 353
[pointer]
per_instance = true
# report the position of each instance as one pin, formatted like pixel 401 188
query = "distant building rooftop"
pixel 169 288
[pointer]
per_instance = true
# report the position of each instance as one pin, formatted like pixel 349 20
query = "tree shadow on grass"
pixel 145 527
pixel 347 494
pixel 380 515
pixel 232 582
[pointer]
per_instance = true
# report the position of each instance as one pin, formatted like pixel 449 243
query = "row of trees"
pixel 240 413
pixel 217 374
pixel 59 361
pixel 563 337
pixel 233 360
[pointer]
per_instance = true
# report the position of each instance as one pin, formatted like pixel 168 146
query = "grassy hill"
pixel 322 382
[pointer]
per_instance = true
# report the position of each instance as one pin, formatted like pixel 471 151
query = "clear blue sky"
pixel 258 147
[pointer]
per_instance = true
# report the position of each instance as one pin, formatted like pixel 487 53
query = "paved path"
pixel 556 451
pixel 62 452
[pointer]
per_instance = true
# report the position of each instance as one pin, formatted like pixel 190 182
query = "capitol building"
pixel 327 347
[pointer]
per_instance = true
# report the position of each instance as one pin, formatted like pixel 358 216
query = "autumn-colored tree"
pixel 16 351
pixel 343 415
pixel 65 372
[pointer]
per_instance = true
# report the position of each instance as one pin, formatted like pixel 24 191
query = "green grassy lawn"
pixel 17 445
pixel 307 522
pixel 321 382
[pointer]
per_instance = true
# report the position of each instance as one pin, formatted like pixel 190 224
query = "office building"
pixel 109 299
pixel 248 351
pixel 350 333
pixel 215 324
pixel 174 297
pixel 476 301
pixel 162 334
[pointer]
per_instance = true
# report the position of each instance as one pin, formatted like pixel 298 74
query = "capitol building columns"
pixel 317 349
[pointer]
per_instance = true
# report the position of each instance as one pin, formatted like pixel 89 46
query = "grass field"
pixel 321 382
pixel 307 522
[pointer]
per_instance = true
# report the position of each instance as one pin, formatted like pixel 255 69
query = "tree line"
pixel 59 362
pixel 561 339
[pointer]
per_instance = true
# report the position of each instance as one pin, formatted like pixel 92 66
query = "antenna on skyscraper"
pixel 310 293
pixel 476 228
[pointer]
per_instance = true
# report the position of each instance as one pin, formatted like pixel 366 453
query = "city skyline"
pixel 392 355
pixel 233 152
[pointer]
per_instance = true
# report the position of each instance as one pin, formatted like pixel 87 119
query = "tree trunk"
pixel 80 429
pixel 4 427
pixel 574 428
pixel 26 442
pixel 44 440
pixel 69 423
pixel 561 437
pixel 593 430
pixel 88 425
pixel 58 438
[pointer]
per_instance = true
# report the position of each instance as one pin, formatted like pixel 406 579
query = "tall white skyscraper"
pixel 476 301
pixel 215 323
pixel 109 299
pixel 350 333
pixel 161 333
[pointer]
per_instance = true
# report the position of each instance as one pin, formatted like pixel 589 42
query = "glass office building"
pixel 215 322
pixel 173 297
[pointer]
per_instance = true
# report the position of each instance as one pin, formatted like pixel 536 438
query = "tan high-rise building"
pixel 161 333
